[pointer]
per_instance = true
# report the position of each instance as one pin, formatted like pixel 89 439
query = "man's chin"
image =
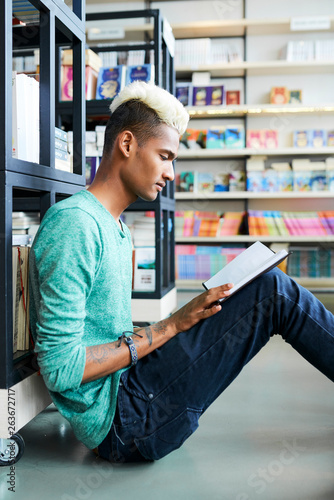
pixel 148 197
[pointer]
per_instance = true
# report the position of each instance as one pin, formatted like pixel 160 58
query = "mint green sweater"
pixel 80 295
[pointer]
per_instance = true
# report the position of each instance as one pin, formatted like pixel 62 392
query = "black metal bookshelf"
pixel 24 185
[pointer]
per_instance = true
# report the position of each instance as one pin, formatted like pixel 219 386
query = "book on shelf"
pixel 143 73
pixel 142 228
pixel 110 81
pixel 144 269
pixel 195 52
pixel 93 64
pixel 25 12
pixel 231 223
pixel 254 261
pixel 311 262
pixel 20 271
pixel 92 164
pixel 25 117
pixel 204 182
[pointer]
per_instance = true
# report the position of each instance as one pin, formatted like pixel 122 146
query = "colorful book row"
pixel 201 262
pixel 276 223
pixel 312 262
pixel 193 262
pixel 206 182
pixel 212 224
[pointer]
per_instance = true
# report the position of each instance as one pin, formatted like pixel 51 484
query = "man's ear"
pixel 126 142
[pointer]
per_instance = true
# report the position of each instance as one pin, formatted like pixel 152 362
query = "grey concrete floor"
pixel 269 436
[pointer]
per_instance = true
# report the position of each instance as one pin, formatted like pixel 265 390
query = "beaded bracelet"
pixel 131 345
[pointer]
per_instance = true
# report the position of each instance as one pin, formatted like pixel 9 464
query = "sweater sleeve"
pixel 64 260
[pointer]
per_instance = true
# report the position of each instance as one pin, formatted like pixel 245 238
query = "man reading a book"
pixel 138 393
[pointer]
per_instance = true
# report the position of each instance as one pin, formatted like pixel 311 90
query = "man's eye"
pixel 164 158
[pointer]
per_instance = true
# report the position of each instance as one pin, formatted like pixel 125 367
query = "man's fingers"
pixel 210 311
pixel 219 292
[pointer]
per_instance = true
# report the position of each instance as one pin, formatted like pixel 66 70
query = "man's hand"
pixel 201 307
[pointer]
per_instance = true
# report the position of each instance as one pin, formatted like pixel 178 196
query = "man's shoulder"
pixel 73 215
pixel 79 206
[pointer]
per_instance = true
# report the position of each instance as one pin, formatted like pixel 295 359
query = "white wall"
pixel 286 8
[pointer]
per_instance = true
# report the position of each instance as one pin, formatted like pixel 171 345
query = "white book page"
pixel 246 266
pixel 242 265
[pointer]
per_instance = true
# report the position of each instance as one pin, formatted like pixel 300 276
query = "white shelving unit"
pixel 260 67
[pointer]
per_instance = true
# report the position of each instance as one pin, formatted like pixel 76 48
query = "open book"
pixel 247 266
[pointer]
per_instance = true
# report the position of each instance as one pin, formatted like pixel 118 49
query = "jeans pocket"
pixel 170 436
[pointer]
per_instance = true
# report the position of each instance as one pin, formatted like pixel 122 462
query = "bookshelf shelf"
pixel 257 110
pixel 192 154
pixel 252 239
pixel 251 68
pixel 250 195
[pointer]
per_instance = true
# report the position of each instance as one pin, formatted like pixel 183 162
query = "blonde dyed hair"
pixel 169 110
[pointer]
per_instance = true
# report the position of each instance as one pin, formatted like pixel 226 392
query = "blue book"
pixel 143 73
pixel 110 82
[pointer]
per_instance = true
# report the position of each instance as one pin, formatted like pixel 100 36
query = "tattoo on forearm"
pixel 160 327
pixel 148 333
pixel 99 353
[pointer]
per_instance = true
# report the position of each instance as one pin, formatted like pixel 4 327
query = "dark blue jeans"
pixel 161 399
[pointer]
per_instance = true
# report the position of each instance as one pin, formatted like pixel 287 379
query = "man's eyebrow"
pixel 170 153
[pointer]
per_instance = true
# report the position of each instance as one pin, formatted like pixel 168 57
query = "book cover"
pixel 270 180
pixel 295 97
pixel 330 138
pixel 255 180
pixel 91 167
pixel 235 137
pixel 270 139
pixel 183 94
pixel 221 181
pixel 301 139
pixel 110 81
pixel 204 182
pixel 215 139
pixel 186 182
pixel 60 134
pixel 217 95
pixel 255 139
pixel 143 73
pixel 144 269
pixel 245 267
pixel 318 138
pixel 230 223
pixel 233 97
pixel 279 95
